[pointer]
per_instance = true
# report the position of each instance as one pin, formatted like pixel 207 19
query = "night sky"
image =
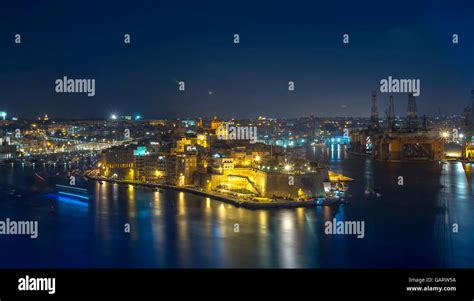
pixel 193 41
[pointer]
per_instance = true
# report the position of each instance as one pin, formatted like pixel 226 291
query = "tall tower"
pixel 391 113
pixel 412 112
pixel 374 112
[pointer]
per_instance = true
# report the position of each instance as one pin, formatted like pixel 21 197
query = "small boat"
pixel 373 192
pixel 73 192
pixel 39 177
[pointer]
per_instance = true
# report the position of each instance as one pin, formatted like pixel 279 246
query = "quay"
pixel 248 204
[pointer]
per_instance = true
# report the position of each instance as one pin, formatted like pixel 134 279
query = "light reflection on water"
pixel 408 226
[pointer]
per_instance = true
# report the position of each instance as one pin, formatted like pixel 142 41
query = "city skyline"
pixel 169 42
pixel 164 139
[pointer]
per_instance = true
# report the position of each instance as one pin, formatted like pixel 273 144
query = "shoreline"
pixel 247 204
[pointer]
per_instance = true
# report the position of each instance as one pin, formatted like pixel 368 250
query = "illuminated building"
pixel 222 164
pixel 214 123
pixel 469 151
pixel 242 157
pixel 150 168
pixel 171 169
pixel 181 145
pixel 249 182
pixel 186 166
pixel 119 161
pixel 469 147
pixel 190 143
pixel 202 140
pixel 222 130
pixel 140 151
pixel 7 151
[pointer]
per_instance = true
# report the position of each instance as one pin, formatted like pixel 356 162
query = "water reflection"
pixel 175 229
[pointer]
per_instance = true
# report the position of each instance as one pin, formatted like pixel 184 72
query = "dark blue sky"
pixel 193 41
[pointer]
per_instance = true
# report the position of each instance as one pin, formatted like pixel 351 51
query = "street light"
pixel 3 114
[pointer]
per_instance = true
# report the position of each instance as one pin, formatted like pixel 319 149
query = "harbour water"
pixel 409 225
